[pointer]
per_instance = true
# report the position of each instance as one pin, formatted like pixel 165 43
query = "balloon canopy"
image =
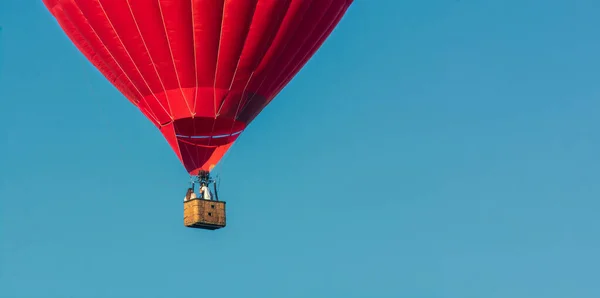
pixel 200 70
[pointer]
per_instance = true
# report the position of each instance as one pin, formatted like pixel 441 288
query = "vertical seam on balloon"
pixel 195 58
pixel 197 157
pixel 215 79
pixel 194 163
pixel 81 41
pixel 240 102
pixel 332 26
pixel 210 139
pixel 312 50
pixel 172 57
pixel 77 38
pixel 237 65
pixel 111 55
pixel 174 68
pixel 282 72
pixel 94 52
pixel 275 62
pixel 131 58
pixel 149 56
pixel 257 64
pixel 217 63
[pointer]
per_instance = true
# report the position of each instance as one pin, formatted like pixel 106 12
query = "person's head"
pixel 189 191
pixel 202 184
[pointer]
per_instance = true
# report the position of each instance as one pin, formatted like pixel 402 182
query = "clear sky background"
pixel 440 148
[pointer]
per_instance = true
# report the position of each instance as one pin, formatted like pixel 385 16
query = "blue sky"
pixel 434 148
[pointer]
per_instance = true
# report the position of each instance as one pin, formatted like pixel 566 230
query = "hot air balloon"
pixel 199 70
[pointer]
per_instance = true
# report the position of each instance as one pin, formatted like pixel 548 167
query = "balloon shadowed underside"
pixel 200 70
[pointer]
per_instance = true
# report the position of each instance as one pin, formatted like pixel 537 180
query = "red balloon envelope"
pixel 200 70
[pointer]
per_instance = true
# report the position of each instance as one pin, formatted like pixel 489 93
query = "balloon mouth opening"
pixel 202 141
pixel 207 131
pixel 208 136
